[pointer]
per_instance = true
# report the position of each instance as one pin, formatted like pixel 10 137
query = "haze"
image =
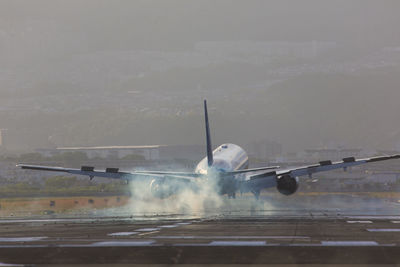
pixel 301 73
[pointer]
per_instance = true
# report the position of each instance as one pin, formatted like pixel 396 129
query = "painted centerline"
pixel 228 237
pixel 349 243
pixel 22 239
pixel 168 226
pixel 148 233
pixel 359 221
pixel 148 229
pixel 383 230
pixel 122 243
pixel 10 264
pixel 122 234
pixel 237 243
pixel 368 217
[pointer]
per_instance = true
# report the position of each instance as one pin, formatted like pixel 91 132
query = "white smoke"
pixel 186 201
pixel 205 201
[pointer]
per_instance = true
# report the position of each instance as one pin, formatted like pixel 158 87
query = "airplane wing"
pixel 113 173
pixel 186 174
pixel 268 179
pixel 329 165
pixel 254 169
pixel 196 175
pixel 116 174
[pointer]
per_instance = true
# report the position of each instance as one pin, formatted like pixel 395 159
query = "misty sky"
pixel 173 24
pixel 71 67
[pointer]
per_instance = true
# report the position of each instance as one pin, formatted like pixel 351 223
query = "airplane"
pixel 226 167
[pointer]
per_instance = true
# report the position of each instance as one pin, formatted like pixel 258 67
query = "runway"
pixel 277 236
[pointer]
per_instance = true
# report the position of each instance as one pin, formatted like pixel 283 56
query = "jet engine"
pixel 160 189
pixel 287 184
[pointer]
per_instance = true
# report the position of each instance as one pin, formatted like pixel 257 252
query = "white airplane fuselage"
pixel 227 158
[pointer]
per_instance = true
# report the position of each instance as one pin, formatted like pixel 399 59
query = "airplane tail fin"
pixel 208 137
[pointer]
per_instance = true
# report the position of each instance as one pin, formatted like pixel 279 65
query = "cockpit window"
pixel 224 146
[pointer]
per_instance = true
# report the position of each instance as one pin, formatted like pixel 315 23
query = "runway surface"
pixel 285 236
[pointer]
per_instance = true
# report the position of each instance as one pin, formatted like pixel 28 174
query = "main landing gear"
pixel 256 194
pixel 232 195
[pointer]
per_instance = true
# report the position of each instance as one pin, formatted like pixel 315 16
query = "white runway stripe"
pixel 21 239
pixel 228 237
pixel 122 234
pixel 383 230
pixel 263 243
pixel 10 264
pixel 168 226
pixel 147 229
pixel 359 221
pixel 122 243
pixel 367 217
pixel 349 243
pixel 183 223
pixel 237 243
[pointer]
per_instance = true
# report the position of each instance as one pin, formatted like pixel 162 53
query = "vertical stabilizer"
pixel 210 159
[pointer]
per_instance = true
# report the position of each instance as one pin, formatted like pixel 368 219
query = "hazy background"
pixel 307 73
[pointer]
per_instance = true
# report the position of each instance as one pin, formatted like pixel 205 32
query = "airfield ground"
pixel 32 206
pixel 360 231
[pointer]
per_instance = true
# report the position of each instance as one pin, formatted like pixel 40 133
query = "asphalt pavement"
pixel 291 235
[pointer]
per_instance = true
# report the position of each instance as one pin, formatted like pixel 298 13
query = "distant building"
pixel 3 140
pixel 115 152
pixel 182 152
pixel 248 48
pixel 264 149
pixel 148 152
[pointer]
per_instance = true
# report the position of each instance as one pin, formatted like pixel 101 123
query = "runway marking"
pixel 183 223
pixel 122 243
pixel 10 264
pixel 149 243
pixel 122 234
pixel 148 229
pixel 349 243
pixel 237 243
pixel 367 217
pixel 359 221
pixel 395 221
pixel 383 230
pixel 338 244
pixel 21 239
pixel 228 237
pixel 174 237
pixel 149 233
pixel 46 220
pixel 168 226
pixel 261 244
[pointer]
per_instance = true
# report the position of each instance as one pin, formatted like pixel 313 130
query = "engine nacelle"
pixel 160 189
pixel 287 184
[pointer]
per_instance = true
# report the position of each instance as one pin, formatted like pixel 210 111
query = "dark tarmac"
pixel 277 236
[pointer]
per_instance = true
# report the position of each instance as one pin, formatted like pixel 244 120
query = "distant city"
pixel 93 99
